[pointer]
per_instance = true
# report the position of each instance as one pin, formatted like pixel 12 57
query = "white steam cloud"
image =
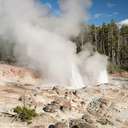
pixel 43 41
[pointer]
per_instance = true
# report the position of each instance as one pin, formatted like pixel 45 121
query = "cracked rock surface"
pixel 88 108
pixel 59 107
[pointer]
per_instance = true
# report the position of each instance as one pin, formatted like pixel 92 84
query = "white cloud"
pixel 123 22
pixel 110 5
pixel 103 15
pixel 115 13
pixel 112 14
pixel 98 15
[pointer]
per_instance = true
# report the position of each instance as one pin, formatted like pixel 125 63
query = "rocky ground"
pixel 99 106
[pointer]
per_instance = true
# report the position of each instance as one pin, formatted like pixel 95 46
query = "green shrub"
pixel 25 114
pixel 115 68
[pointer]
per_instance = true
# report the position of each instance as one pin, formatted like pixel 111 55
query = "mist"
pixel 43 41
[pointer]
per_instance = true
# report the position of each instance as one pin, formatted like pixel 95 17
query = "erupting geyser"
pixel 43 41
pixel 103 77
pixel 76 79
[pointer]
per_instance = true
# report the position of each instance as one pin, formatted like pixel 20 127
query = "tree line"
pixel 109 39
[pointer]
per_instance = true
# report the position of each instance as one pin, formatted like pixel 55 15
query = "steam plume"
pixel 43 40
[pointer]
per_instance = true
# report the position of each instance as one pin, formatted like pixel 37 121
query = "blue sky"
pixel 100 11
pixel 105 10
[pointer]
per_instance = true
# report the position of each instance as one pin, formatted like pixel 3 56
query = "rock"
pixel 80 123
pixel 65 105
pixel 56 90
pixel 53 107
pixel 60 125
pixel 20 98
pixel 38 126
pixel 51 126
pixel 87 118
pixel 104 121
pixel 96 106
pixel 50 108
